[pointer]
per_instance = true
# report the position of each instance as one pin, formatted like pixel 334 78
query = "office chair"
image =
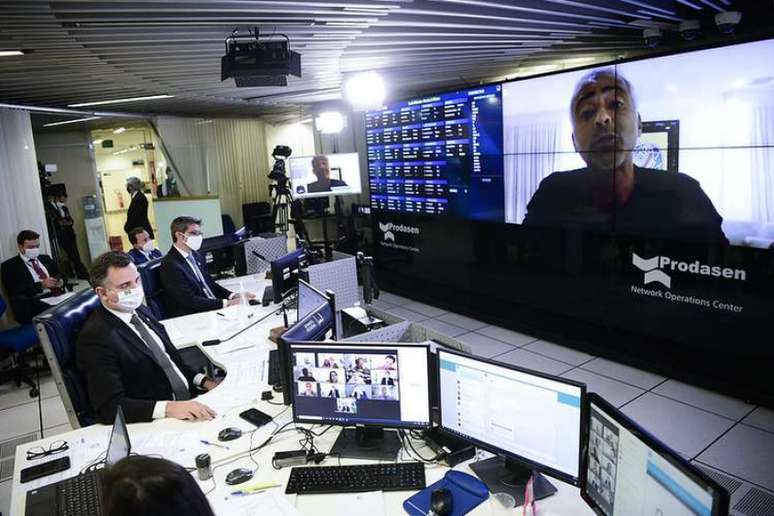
pixel 18 341
pixel 228 224
pixel 57 330
pixel 151 284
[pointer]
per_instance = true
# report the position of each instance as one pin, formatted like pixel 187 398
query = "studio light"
pixel 10 53
pixel 365 90
pixel 329 122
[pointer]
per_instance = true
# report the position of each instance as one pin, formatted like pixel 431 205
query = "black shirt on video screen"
pixel 662 205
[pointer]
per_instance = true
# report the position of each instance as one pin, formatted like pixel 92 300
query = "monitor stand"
pixel 367 443
pixel 507 476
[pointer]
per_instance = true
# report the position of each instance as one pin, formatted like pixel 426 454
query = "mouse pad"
pixel 467 493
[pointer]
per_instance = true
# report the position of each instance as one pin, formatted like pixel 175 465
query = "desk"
pixel 245 359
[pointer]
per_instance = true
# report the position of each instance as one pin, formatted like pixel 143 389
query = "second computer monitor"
pixel 309 298
pixel 284 273
pixel 532 420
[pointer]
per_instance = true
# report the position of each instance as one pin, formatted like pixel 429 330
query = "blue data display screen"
pixel 439 155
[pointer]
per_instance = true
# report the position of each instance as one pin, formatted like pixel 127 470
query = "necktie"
pixel 42 275
pixel 178 387
pixel 199 277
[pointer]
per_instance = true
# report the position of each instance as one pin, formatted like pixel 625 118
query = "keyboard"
pixel 80 496
pixel 401 476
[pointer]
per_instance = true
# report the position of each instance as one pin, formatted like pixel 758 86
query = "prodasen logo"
pixel 389 229
pixel 652 267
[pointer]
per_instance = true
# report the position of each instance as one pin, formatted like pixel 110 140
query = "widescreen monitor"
pixel 309 298
pixel 371 385
pixel 325 174
pixel 631 473
pixel 532 420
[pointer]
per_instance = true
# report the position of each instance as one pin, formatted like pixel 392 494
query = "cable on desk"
pixel 406 441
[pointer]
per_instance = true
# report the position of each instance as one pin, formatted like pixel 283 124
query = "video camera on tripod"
pixel 279 190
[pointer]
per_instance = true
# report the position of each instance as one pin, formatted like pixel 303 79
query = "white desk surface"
pixel 245 360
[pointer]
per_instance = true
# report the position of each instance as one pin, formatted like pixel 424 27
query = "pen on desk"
pixel 208 443
pixel 255 488
pixel 220 314
pixel 246 493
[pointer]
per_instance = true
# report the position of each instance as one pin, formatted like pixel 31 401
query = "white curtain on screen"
pixel 763 163
pixel 533 143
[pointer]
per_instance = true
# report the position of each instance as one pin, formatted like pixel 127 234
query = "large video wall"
pixel 625 208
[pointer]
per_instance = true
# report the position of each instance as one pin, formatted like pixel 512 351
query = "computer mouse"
pixel 229 434
pixel 239 475
pixel 254 302
pixel 441 502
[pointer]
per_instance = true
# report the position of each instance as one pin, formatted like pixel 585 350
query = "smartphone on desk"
pixel 43 470
pixel 256 417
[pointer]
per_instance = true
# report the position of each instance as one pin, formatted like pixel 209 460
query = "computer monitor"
pixel 309 298
pixel 628 471
pixel 325 174
pixel 532 421
pixel 284 273
pixel 369 385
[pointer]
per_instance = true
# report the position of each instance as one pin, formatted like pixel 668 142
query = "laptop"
pixel 80 495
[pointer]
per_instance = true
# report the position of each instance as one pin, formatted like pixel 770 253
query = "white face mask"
pixel 129 300
pixel 148 246
pixel 33 253
pixel 194 241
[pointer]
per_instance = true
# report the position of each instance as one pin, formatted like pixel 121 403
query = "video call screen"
pixel 676 147
pixel 324 175
pixel 367 384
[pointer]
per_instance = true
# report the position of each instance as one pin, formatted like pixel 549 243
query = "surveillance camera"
pixel 652 37
pixel 727 21
pixel 689 30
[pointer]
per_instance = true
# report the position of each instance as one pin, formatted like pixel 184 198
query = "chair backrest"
pixel 228 224
pixel 3 306
pixel 151 284
pixel 57 330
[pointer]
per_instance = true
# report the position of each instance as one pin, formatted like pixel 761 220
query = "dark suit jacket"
pixel 23 291
pixel 63 224
pixel 182 294
pixel 137 216
pixel 139 258
pixel 120 369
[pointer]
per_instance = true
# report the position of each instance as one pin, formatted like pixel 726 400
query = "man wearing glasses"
pixel 127 357
pixel 188 287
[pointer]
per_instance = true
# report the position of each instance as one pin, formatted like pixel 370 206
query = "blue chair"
pixel 57 329
pixel 18 341
pixel 151 284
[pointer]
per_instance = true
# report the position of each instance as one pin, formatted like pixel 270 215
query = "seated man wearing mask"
pixel 142 247
pixel 126 355
pixel 188 287
pixel 30 276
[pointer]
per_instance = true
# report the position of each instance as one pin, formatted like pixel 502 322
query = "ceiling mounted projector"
pixel 252 61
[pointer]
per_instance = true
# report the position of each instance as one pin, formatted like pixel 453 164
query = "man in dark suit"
pixel 187 286
pixel 59 215
pixel 137 216
pixel 142 247
pixel 126 355
pixel 30 276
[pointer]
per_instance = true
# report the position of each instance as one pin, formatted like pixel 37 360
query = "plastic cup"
pixel 501 504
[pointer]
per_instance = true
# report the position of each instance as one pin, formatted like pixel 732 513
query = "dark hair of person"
pixel 133 234
pixel 180 225
pixel 143 486
pixel 25 235
pixel 99 267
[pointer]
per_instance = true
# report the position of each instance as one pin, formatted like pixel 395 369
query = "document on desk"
pixel 271 502
pixel 175 335
pixel 55 300
pixel 358 504
pixel 179 447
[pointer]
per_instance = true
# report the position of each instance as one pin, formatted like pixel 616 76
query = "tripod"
pixel 281 200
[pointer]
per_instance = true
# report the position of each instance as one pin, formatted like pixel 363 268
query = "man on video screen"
pixel 611 192
pixel 322 170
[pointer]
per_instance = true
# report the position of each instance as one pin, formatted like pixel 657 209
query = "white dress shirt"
pixel 35 277
pixel 197 273
pixel 160 409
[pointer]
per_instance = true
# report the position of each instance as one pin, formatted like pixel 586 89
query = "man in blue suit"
pixel 188 287
pixel 142 246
